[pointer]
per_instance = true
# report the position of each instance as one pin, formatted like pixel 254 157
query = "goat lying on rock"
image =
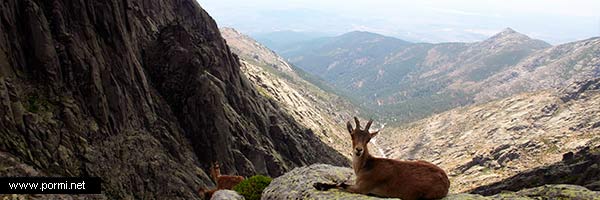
pixel 408 180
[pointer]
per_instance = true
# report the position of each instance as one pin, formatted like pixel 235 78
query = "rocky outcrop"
pixel 226 195
pixel 581 168
pixel 578 89
pixel 555 67
pixel 496 159
pixel 142 93
pixel 298 184
pixel 487 143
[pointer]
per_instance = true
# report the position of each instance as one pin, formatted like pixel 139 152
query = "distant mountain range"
pixel 406 81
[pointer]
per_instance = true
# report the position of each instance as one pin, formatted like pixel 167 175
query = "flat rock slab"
pixel 298 184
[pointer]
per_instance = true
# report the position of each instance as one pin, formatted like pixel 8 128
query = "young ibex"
pixel 224 182
pixel 408 180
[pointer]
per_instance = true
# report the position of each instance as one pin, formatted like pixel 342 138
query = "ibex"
pixel 408 180
pixel 224 182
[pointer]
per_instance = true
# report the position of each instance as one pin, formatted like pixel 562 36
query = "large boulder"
pixel 298 184
pixel 226 195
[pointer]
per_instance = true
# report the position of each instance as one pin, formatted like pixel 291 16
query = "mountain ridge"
pixel 409 82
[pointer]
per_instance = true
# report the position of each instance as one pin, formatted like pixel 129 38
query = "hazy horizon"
pixel 424 21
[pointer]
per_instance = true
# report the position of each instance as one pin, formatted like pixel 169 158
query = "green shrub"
pixel 253 187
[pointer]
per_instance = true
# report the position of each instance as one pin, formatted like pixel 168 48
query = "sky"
pixel 554 21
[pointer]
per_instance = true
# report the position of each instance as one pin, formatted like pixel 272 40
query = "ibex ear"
pixel 373 134
pixel 349 126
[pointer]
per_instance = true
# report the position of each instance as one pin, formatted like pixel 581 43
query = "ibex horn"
pixel 368 125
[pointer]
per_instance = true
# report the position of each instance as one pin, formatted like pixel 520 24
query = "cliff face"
pixel 143 93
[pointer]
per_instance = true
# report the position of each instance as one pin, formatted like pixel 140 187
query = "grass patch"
pixel 253 187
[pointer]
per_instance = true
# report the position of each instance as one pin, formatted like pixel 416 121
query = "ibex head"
pixel 215 171
pixel 360 138
pixel 215 165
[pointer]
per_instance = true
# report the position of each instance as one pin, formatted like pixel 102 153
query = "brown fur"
pixel 228 182
pixel 408 180
pixel 224 182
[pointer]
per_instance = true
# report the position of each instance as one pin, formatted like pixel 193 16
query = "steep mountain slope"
pixel 485 143
pixel 144 94
pixel 413 80
pixel 321 111
pixel 249 49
